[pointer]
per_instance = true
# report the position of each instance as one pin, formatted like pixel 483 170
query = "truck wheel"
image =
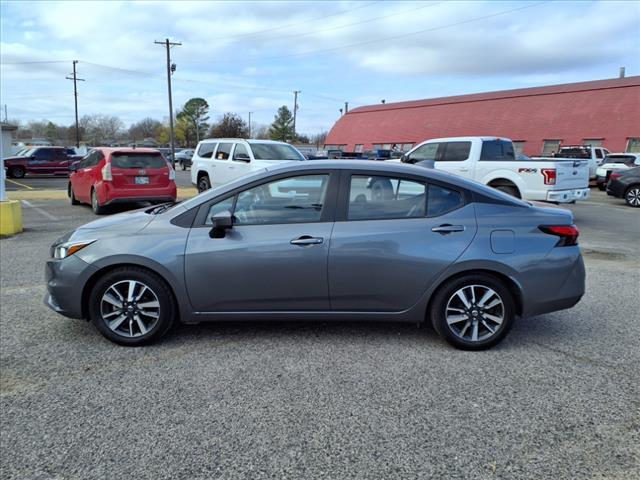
pixel 95 203
pixel 513 191
pixel 16 172
pixel 632 197
pixel 204 183
pixel 72 196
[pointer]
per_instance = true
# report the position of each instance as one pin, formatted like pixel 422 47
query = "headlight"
pixel 66 249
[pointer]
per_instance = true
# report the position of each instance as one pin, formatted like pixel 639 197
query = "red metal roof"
pixel 601 109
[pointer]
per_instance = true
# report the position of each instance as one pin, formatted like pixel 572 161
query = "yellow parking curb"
pixel 10 218
pixel 185 192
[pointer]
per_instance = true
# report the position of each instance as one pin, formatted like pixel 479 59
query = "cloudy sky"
pixel 250 56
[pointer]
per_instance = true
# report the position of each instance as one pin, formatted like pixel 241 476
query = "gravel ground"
pixel 559 398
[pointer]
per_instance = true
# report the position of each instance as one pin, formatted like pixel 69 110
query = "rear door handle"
pixel 307 240
pixel 446 228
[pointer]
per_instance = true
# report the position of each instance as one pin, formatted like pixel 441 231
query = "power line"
pixel 33 62
pixel 385 39
pixel 282 27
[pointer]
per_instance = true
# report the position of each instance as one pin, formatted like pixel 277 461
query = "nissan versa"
pixel 313 240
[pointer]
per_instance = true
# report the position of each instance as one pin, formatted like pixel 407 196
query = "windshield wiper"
pixel 161 208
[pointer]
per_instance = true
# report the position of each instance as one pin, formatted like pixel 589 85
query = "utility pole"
pixel 170 69
pixel 295 111
pixel 75 79
pixel 346 107
pixel 250 124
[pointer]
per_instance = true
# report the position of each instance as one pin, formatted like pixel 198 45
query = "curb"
pixel 184 192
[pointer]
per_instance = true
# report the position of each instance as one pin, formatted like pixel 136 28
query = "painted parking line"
pixel 19 184
pixel 42 212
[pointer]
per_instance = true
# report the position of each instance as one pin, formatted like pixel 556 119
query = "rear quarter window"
pixel 497 150
pixel 206 150
pixel 138 160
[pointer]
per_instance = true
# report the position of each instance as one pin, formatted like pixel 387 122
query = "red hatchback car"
pixel 121 175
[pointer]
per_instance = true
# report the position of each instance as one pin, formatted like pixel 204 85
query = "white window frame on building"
pixel 594 142
pixel 551 146
pixel 407 146
pixel 359 148
pixel 518 146
pixel 633 145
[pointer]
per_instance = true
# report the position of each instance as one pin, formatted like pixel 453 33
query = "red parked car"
pixel 121 175
pixel 41 161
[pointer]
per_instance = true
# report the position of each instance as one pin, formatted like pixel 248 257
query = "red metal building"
pixel 538 120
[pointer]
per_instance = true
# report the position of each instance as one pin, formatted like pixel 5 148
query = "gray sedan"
pixel 313 240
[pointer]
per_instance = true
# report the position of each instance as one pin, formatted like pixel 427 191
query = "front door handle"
pixel 446 228
pixel 307 240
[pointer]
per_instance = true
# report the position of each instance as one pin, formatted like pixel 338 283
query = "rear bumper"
pixel 109 195
pixel 567 196
pixel 615 189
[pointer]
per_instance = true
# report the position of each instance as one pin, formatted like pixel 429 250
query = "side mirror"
pixel 221 222
pixel 242 157
pixel 404 158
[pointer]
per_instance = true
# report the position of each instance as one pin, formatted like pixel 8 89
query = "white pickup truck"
pixel 491 161
pixel 595 155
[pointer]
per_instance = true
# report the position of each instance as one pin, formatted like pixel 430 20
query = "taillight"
pixel 106 173
pixel 549 175
pixel 614 175
pixel 172 172
pixel 568 234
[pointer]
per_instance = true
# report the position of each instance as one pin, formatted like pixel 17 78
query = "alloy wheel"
pixel 633 197
pixel 475 313
pixel 130 308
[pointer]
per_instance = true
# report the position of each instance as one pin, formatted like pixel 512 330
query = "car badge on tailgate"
pixel 142 172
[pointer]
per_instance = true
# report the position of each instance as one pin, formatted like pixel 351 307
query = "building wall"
pixel 607 109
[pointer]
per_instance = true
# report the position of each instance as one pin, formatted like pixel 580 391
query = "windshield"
pixel 27 152
pixel 137 160
pixel 275 151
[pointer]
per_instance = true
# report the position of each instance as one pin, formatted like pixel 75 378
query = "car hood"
pixel 114 225
pixel 13 159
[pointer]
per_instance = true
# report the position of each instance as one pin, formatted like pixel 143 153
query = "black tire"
pixel 509 190
pixel 454 333
pixel 632 196
pixel 602 186
pixel 17 172
pixel 183 165
pixel 204 183
pixel 72 196
pixel 95 203
pixel 156 289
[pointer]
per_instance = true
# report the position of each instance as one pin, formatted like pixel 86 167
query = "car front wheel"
pixel 132 306
pixel 17 172
pixel 72 196
pixel 632 197
pixel 473 312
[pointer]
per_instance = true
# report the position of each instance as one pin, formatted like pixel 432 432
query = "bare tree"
pixel 231 125
pixel 145 128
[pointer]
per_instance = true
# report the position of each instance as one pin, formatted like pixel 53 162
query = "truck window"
pixel 598 153
pixel 425 152
pixel 456 152
pixel 206 150
pixel 497 150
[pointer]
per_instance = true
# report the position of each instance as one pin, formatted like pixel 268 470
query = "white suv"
pixel 220 160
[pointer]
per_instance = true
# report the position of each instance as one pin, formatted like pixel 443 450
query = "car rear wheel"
pixel 95 203
pixel 204 183
pixel 72 195
pixel 632 196
pixel 473 312
pixel 183 165
pixel 602 186
pixel 17 172
pixel 132 306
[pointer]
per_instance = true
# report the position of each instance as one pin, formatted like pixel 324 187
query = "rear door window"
pixel 442 200
pixel 456 152
pixel 224 150
pixel 497 150
pixel 379 198
pixel 206 149
pixel 137 160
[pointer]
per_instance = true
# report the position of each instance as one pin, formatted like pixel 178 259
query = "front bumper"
pixel 66 280
pixel 568 196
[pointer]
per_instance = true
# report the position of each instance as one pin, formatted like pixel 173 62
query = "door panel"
pixel 257 268
pixel 386 265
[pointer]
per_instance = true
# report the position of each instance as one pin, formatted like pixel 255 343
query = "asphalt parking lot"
pixel 559 398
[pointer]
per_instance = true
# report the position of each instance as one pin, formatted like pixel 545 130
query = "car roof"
pixel 466 139
pixel 247 140
pixel 111 150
